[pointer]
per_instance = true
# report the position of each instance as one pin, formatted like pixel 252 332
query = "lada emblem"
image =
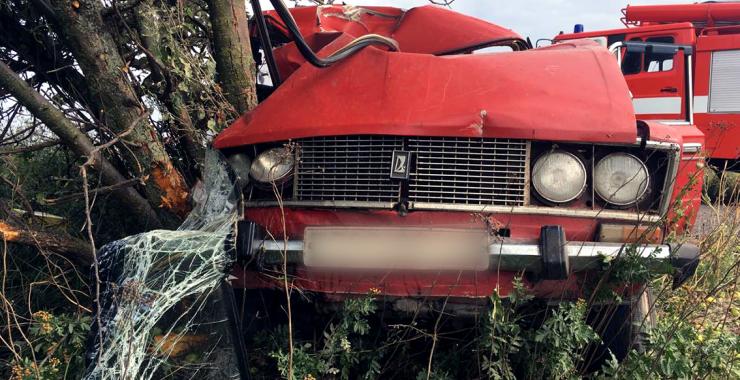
pixel 400 164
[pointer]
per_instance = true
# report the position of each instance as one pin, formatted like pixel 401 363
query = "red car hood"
pixel 572 91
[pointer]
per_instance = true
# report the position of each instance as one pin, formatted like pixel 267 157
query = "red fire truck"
pixel 388 155
pixel 656 78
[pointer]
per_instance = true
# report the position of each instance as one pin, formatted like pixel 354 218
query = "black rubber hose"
pixel 259 18
pixel 346 51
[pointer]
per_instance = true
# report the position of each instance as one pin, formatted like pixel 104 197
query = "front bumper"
pixel 550 258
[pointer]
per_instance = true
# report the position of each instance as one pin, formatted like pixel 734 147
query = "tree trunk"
pixel 77 141
pixel 233 53
pixel 94 48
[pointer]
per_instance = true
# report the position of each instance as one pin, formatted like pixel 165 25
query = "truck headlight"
pixel 273 166
pixel 559 176
pixel 621 179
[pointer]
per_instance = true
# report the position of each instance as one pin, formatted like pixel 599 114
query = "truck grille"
pixel 445 170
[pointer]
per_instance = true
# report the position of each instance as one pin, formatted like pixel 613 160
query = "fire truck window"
pixel 632 62
pixel 655 62
pixel 614 38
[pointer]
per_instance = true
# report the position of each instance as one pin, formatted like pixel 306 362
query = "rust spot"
pixel 174 192
pixel 491 224
pixel 8 233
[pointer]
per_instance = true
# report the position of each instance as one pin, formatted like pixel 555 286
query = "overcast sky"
pixel 534 18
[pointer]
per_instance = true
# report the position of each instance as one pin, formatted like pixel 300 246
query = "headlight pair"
pixel 619 178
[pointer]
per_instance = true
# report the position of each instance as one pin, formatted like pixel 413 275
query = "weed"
pixel 560 342
pixel 342 349
pixel 502 335
pixel 58 343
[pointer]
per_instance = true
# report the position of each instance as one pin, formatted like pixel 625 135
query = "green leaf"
pixel 212 125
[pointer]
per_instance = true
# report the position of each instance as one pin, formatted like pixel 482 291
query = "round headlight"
pixel 273 166
pixel 559 176
pixel 621 179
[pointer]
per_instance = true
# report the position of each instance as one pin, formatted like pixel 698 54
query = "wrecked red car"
pixel 407 152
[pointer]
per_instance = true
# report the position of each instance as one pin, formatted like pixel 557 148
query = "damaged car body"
pixel 391 154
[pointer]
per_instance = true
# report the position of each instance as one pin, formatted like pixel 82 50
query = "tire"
pixel 643 319
pixel 622 328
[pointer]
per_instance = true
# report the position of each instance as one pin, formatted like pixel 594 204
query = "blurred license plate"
pixel 395 248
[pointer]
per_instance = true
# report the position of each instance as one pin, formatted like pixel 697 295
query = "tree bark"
pixel 147 17
pixel 233 53
pixel 77 141
pixel 95 49
pixel 78 251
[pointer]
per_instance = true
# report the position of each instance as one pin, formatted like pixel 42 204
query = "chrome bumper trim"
pixel 513 256
pixel 581 255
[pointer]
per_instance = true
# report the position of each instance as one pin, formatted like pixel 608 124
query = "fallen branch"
pixel 72 248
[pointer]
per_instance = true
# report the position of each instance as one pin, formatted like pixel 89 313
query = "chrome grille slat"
pixel 447 170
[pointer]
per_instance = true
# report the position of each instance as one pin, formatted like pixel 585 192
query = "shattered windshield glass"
pixel 162 307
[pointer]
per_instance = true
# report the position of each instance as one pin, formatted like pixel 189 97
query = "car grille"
pixel 347 168
pixel 445 170
pixel 468 171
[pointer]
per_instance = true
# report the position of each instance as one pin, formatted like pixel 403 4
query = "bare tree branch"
pixel 30 148
pixel 77 141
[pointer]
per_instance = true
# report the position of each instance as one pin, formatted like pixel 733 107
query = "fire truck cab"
pixel 661 81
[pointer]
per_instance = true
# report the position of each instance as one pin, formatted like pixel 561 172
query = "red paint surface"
pixel 709 13
pixel 525 227
pixel 722 130
pixel 568 92
pixel 320 26
pixel 689 176
pixel 411 29
pixel 658 29
pixel 463 284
